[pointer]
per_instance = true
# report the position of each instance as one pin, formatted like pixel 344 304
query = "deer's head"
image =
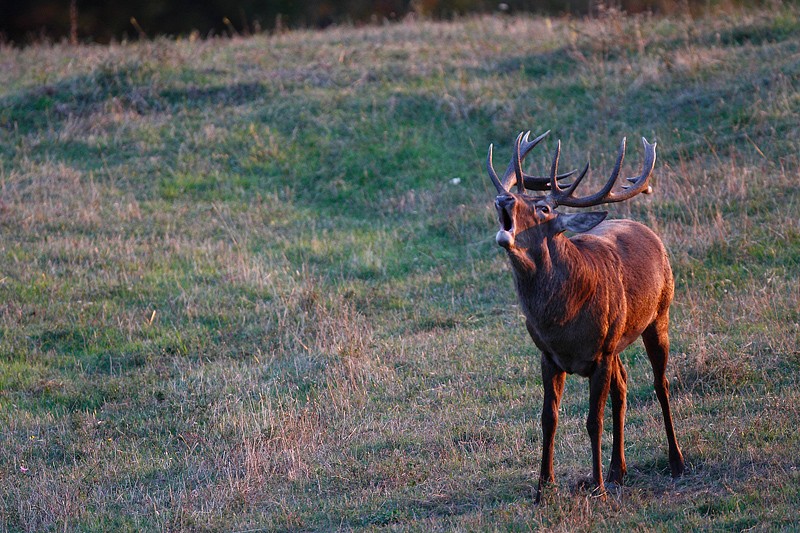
pixel 525 218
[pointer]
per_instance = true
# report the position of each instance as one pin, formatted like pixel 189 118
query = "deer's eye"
pixel 545 209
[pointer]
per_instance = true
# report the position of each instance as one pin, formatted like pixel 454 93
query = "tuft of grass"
pixel 251 283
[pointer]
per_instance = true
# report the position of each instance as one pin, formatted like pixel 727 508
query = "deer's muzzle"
pixel 505 206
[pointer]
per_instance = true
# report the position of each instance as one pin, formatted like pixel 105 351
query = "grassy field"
pixel 252 283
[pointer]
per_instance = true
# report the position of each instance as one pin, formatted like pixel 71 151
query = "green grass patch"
pixel 252 283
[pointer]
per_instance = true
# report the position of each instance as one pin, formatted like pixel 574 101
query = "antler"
pixel 638 184
pixel 514 174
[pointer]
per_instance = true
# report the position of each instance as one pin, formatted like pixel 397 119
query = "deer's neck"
pixel 552 273
pixel 548 258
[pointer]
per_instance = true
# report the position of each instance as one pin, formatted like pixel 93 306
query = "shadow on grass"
pixel 467 498
pixel 49 106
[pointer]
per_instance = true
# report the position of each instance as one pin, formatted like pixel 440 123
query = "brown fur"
pixel 585 299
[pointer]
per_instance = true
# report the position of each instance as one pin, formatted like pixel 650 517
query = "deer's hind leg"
pixel 599 388
pixel 656 342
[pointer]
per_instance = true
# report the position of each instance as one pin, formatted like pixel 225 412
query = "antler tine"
pixel 563 197
pixel 534 183
pixel 641 182
pixel 522 146
pixel 514 175
pixel 574 184
pixel 492 174
pixel 538 183
pixel 502 184
pixel 605 196
pixel 554 186
pixel 516 160
pixel 614 173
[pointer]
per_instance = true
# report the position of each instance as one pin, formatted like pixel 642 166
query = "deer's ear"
pixel 580 222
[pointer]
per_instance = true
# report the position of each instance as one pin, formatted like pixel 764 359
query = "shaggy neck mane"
pixel 554 272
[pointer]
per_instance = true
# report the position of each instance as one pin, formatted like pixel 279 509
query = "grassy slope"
pixel 238 287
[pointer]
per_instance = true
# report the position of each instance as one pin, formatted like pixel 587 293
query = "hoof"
pixel 543 487
pixel 599 493
pixel 615 476
pixel 677 467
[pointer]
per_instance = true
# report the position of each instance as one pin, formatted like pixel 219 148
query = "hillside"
pixel 252 282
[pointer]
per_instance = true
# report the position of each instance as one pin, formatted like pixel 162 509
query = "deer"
pixel 587 297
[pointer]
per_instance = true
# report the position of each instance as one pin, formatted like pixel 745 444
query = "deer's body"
pixel 613 280
pixel 587 298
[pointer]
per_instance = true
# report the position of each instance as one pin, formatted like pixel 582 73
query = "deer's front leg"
pixel 619 389
pixel 599 386
pixel 553 381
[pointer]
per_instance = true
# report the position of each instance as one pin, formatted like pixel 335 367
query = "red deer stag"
pixel 586 298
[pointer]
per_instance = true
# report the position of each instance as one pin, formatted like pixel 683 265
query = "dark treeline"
pixel 26 21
